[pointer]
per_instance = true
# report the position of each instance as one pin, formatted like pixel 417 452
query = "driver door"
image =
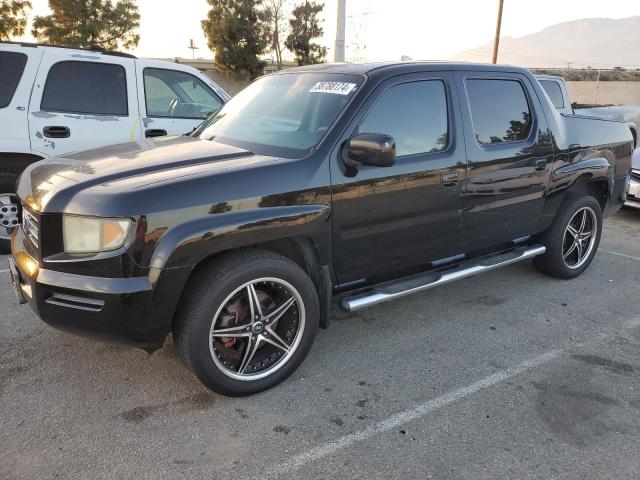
pixel 173 101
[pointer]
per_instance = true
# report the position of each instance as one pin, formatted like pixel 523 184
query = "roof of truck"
pixel 93 48
pixel 367 68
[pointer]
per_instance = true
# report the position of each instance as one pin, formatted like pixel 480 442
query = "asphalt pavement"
pixel 507 375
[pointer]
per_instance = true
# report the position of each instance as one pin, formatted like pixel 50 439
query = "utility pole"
pixel 338 54
pixel 193 48
pixel 496 41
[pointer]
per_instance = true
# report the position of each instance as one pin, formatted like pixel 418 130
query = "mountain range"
pixel 588 42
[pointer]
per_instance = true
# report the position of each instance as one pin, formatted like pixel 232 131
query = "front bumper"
pixel 633 195
pixel 122 310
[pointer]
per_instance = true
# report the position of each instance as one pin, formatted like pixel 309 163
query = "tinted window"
pixel 554 91
pixel 169 93
pixel 499 110
pixel 86 87
pixel 414 114
pixel 11 65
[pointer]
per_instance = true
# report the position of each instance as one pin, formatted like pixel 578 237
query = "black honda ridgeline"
pixel 368 182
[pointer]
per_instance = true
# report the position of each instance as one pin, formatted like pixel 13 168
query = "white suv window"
pixel 86 87
pixel 173 94
pixel 11 65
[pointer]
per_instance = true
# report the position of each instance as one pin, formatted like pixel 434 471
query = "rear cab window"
pixel 500 110
pixel 11 67
pixel 86 88
pixel 554 91
pixel 414 114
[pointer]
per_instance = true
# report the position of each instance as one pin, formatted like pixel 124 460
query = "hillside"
pixel 595 42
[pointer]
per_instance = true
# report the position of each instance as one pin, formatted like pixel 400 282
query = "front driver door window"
pixel 175 101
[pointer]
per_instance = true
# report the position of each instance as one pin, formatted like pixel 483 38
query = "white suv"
pixel 56 100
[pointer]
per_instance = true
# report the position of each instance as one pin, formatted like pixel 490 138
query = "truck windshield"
pixel 282 115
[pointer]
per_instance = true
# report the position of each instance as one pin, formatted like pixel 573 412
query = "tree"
pixel 235 32
pixel 274 17
pixel 13 18
pixel 82 23
pixel 305 26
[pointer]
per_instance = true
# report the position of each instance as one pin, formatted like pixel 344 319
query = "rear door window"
pixel 11 68
pixel 499 110
pixel 414 114
pixel 86 87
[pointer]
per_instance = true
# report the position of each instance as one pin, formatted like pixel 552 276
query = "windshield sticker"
pixel 337 88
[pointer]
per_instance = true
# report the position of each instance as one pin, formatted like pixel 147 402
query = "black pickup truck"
pixel 364 182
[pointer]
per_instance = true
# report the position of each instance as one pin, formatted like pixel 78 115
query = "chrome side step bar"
pixel 425 281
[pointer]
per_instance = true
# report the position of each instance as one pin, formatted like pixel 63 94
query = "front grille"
pixel 31 226
pixel 635 174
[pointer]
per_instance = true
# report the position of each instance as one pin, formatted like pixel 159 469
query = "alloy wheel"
pixel 9 210
pixel 257 329
pixel 579 238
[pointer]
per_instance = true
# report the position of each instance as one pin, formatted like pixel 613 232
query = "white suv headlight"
pixel 92 234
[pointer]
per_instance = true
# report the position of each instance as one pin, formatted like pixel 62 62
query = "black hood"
pixel 49 185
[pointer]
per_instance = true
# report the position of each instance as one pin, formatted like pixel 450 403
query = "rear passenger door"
pixel 509 153
pixel 173 102
pixel 82 101
pixel 18 68
pixel 390 219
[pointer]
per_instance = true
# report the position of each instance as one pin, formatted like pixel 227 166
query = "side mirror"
pixel 373 149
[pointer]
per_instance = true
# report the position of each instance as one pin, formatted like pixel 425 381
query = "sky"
pixel 379 29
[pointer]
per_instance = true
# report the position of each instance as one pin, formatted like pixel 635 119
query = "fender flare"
pixel 591 169
pixel 634 132
pixel 188 243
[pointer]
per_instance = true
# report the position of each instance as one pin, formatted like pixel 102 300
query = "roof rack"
pixel 92 48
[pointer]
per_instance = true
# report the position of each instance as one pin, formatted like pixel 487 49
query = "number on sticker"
pixel 337 88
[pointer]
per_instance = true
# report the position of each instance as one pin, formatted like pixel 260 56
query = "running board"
pixel 425 281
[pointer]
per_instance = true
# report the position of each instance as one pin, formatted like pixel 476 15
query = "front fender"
pixel 189 243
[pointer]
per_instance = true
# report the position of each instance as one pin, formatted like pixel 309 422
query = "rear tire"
pixel 246 321
pixel 572 239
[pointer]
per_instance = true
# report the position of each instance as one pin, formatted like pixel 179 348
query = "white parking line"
pixel 611 252
pixel 432 405
pixel 4 271
pixel 408 415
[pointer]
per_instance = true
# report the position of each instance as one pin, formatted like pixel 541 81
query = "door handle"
pixel 450 179
pixel 541 165
pixel 56 132
pixel 155 132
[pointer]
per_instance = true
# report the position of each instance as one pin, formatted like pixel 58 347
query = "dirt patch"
pixel 611 365
pixel 198 401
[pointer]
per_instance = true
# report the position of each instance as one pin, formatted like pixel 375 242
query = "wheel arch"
pixel 300 233
pixel 301 250
pixel 12 164
pixel 598 188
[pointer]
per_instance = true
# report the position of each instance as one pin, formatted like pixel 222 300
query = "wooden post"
pixel 496 41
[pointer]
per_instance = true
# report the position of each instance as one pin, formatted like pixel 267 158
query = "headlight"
pixel 93 235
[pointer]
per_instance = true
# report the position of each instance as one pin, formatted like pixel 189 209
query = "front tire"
pixel 573 238
pixel 247 321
